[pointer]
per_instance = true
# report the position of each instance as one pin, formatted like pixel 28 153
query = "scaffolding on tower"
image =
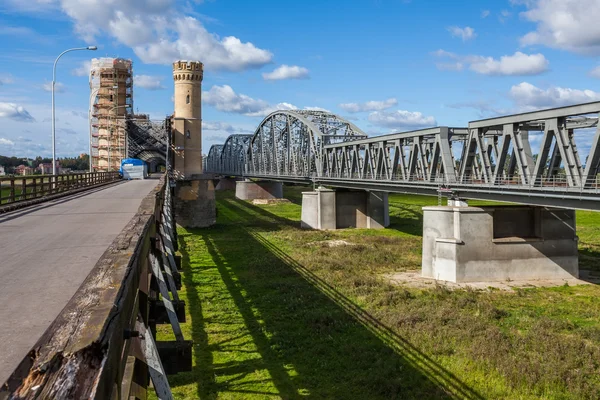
pixel 111 85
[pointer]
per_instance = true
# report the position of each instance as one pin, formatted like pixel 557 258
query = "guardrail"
pixel 19 190
pixel 102 344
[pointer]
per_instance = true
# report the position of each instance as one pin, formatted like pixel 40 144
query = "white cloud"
pixel 401 119
pixel 148 82
pixel 316 109
pixel 565 24
pixel 485 13
pixel 224 98
pixel 466 33
pixel 58 87
pixel 15 112
pixel 369 105
pixel 595 72
pixel 529 97
pixel 6 79
pixel 286 72
pixel 217 126
pixel 83 69
pixel 158 33
pixel 6 142
pixel 516 64
pixel 504 15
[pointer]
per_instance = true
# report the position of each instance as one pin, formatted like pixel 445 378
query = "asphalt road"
pixel 46 251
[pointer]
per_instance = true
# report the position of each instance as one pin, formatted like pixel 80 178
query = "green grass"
pixel 274 317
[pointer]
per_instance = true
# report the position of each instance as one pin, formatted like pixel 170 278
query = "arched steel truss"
pixel 287 143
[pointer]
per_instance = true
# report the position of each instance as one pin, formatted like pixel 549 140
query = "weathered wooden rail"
pixel 102 344
pixel 21 191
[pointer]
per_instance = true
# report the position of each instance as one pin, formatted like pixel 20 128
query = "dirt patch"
pixel 414 279
pixel 263 202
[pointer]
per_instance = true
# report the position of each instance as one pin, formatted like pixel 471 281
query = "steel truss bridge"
pixel 148 140
pixel 491 159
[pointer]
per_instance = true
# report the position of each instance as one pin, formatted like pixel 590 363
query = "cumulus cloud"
pixel 6 142
pixel 15 112
pixel 224 98
pixel 373 105
pixel 83 69
pixel 158 33
pixel 529 97
pixel 217 126
pixel 148 82
pixel 466 33
pixel 286 72
pixel 516 64
pixel 565 24
pixel 58 87
pixel 401 119
pixel 595 72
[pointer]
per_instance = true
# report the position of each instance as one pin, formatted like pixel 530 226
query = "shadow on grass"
pixel 298 321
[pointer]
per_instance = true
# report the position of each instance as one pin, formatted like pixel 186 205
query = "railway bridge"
pixel 532 237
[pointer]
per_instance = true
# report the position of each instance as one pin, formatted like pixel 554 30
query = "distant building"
pixel 46 168
pixel 23 170
pixel 2 172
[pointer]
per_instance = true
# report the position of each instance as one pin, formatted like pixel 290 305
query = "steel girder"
pixel 147 140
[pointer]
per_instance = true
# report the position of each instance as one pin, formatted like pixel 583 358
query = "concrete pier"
pixel 473 244
pixel 226 184
pixel 253 190
pixel 339 209
pixel 195 204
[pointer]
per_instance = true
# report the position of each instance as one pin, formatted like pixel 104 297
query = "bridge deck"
pixel 46 252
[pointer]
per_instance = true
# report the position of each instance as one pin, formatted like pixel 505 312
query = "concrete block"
pixel 378 210
pixel 471 244
pixel 226 184
pixel 318 209
pixel 252 190
pixel 350 209
pixel 195 205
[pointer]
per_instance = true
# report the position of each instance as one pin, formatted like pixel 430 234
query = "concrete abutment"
pixel 337 209
pixel 195 204
pixel 500 243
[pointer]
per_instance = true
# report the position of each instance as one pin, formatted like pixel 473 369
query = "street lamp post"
pixel 53 112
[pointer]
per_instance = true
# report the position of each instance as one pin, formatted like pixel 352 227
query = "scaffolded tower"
pixel 111 86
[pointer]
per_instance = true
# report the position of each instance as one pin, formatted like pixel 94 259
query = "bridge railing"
pixel 22 188
pixel 102 345
pixel 558 182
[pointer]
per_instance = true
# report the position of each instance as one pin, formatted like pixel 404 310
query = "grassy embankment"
pixel 272 316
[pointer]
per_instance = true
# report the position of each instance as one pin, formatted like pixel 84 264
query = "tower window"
pixel 187 99
pixel 187 133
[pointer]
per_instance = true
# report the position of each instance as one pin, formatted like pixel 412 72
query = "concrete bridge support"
pixel 253 190
pixel 226 184
pixel 194 203
pixel 474 244
pixel 329 209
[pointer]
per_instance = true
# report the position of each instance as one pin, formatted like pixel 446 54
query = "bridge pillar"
pixel 474 244
pixel 253 190
pixel 226 184
pixel 328 209
pixel 195 205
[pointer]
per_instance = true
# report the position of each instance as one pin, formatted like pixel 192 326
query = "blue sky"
pixel 387 65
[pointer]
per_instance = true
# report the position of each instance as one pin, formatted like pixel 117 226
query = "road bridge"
pixel 47 252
